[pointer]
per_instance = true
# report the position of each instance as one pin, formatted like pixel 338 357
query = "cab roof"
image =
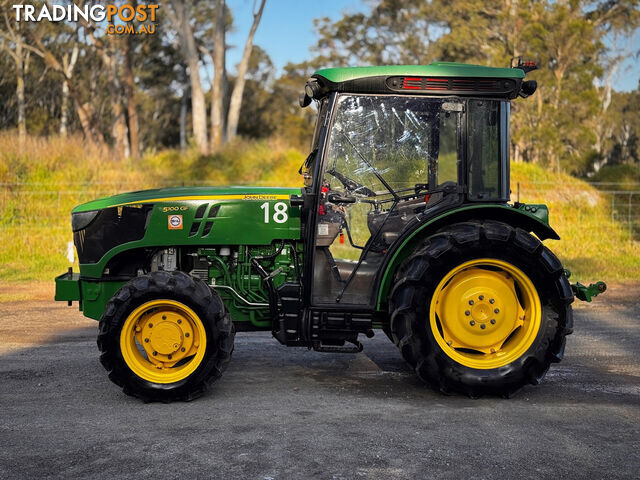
pixel 438 78
pixel 437 69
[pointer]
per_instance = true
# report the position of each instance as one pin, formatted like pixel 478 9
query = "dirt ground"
pixel 282 413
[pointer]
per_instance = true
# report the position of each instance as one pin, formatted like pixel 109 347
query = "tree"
pixel 570 39
pixel 107 49
pixel 179 14
pixel 622 146
pixel 68 64
pixel 238 88
pixel 393 32
pixel 130 96
pixel 13 42
pixel 219 76
pixel 258 98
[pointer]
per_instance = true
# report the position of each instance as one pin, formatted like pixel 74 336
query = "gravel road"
pixel 281 413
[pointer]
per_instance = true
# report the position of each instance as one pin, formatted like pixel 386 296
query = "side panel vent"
pixel 201 209
pixel 207 228
pixel 195 226
pixel 214 211
pixel 202 217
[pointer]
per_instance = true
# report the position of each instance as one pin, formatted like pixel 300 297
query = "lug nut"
pixel 470 302
pixel 493 321
pixel 481 297
pixel 151 325
pixel 496 311
pixel 492 301
pixel 155 353
pixel 483 326
pixel 179 321
pixel 472 323
pixel 467 313
pixel 164 317
pixel 146 340
pixel 186 334
pixel 169 357
pixel 182 349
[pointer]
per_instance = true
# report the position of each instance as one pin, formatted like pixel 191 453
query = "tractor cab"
pixel 392 150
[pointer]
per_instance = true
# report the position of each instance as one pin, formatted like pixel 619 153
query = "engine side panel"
pixel 213 220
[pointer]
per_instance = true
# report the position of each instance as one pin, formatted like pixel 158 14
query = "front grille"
pixel 111 227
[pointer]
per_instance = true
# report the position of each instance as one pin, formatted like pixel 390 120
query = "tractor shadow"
pixel 50 352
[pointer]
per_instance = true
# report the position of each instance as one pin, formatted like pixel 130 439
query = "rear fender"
pixel 532 218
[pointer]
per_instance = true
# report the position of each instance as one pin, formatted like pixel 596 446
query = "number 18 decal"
pixel 279 214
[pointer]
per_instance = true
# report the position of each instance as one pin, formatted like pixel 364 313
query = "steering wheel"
pixel 350 185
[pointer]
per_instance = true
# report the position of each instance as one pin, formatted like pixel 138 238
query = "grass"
pixel 592 245
pixel 41 184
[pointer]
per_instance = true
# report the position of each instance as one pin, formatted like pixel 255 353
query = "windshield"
pixel 401 141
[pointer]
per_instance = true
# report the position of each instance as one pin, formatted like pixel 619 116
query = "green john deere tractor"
pixel 404 224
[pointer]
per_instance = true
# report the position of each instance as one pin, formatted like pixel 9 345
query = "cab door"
pixel 381 157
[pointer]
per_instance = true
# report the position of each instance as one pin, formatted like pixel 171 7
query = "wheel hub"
pixel 480 309
pixel 169 336
pixel 161 341
pixel 481 312
pixel 166 338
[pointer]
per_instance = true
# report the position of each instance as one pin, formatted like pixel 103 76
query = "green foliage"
pixel 562 126
pixel 622 174
pixel 392 32
pixel 272 109
pixel 620 130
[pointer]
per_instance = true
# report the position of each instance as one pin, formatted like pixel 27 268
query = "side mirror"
pixel 304 100
pixel 340 199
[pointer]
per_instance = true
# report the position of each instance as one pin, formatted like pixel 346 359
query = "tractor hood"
pixel 184 216
pixel 158 195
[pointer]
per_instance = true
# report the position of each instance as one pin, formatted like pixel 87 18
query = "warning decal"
pixel 175 222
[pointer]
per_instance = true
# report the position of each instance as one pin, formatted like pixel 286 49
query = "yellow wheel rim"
pixel 163 341
pixel 485 313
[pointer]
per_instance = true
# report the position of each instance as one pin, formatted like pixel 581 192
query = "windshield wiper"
pixel 373 169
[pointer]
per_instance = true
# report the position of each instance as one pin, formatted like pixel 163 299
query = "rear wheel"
pixel 165 336
pixel 481 308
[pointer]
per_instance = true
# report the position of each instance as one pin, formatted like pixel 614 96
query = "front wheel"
pixel 165 336
pixel 481 308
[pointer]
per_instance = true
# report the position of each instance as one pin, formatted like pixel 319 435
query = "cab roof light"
pixel 525 65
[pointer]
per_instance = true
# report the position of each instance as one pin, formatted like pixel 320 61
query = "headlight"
pixel 81 220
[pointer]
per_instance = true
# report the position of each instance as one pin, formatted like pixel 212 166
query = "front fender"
pixel 532 218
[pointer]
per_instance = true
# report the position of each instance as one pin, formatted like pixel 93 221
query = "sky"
pixel 286 32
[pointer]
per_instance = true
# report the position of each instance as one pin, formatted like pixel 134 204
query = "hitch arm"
pixel 585 293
